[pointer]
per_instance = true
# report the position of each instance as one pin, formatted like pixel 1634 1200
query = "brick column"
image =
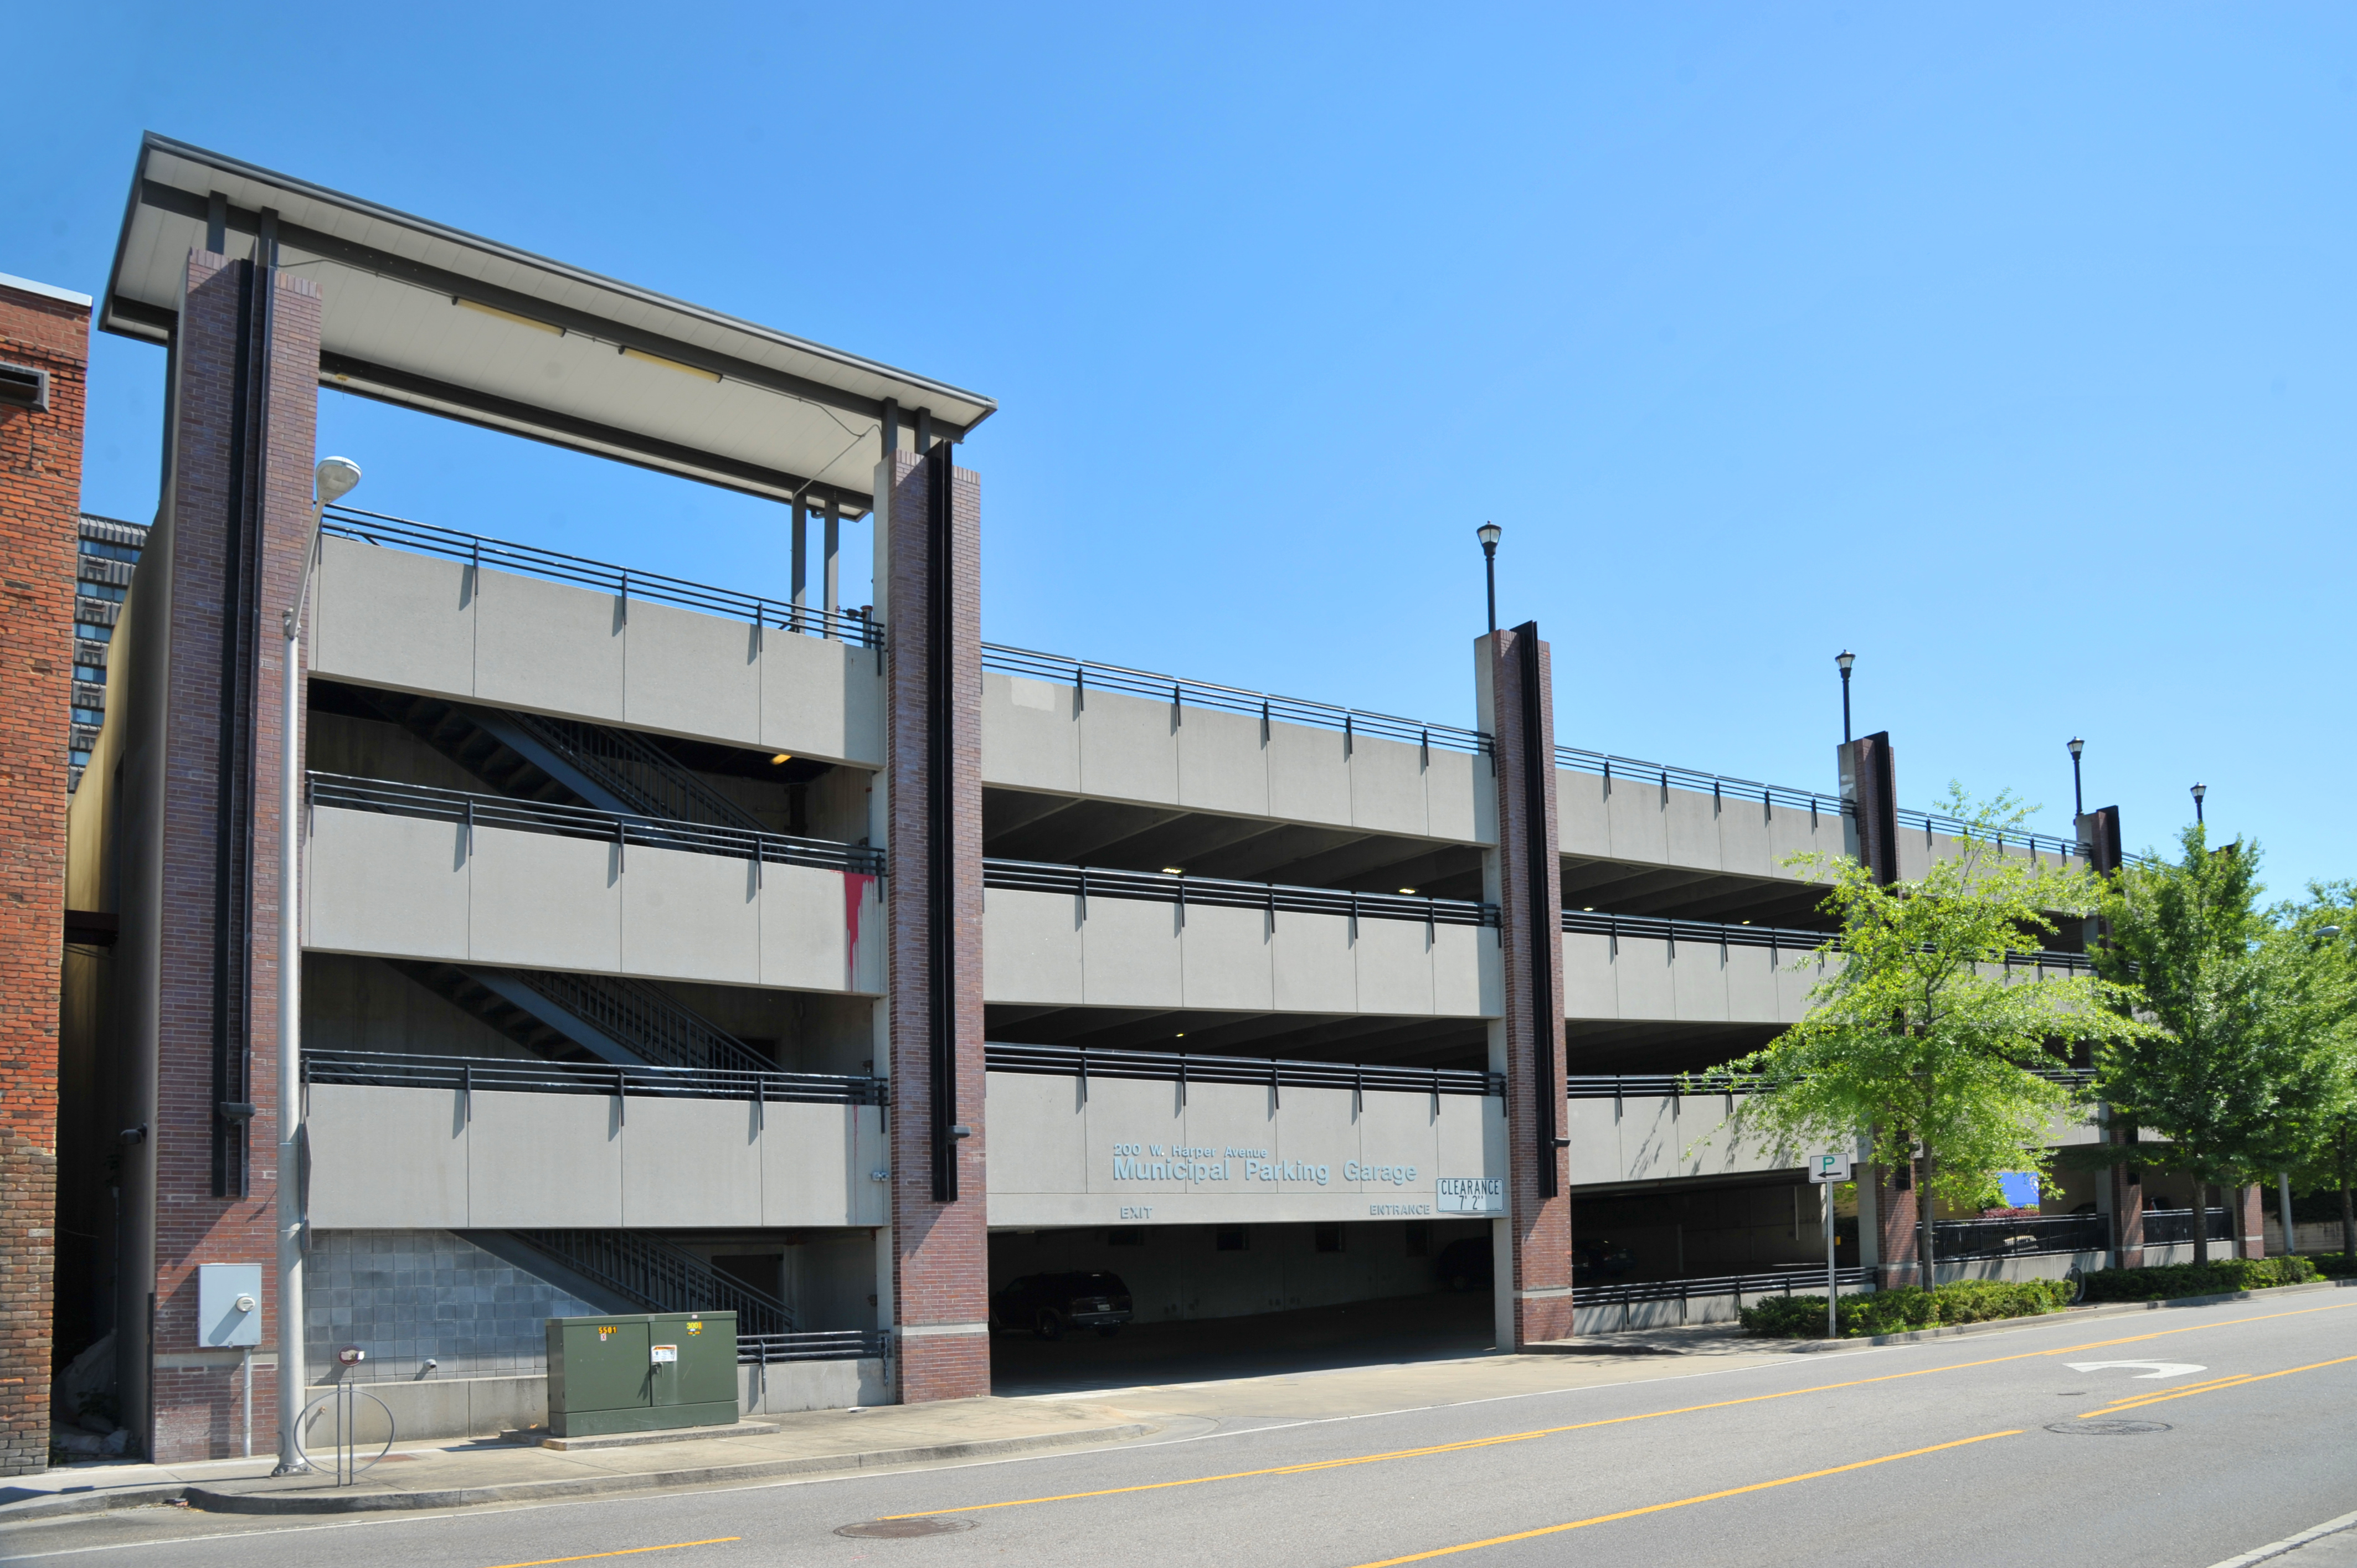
pixel 2250 1222
pixel 243 414
pixel 1537 1268
pixel 40 509
pixel 1898 1231
pixel 941 1261
pixel 2127 1206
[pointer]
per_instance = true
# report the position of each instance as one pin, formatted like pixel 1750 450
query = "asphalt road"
pixel 2234 1426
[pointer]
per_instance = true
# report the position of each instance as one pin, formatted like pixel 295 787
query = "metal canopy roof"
pixel 431 318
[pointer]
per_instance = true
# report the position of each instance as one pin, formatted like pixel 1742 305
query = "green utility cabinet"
pixel 644 1373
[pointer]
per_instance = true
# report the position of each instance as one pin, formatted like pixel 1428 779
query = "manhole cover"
pixel 2106 1428
pixel 901 1529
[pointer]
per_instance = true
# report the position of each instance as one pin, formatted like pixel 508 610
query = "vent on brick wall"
pixel 23 386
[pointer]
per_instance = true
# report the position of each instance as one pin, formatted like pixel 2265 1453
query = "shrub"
pixel 1907 1308
pixel 2217 1277
pixel 2334 1265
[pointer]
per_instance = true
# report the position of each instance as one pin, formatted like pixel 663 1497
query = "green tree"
pixel 2237 1077
pixel 1923 1032
pixel 2320 1130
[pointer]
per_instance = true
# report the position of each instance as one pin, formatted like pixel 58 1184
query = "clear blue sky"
pixel 2009 346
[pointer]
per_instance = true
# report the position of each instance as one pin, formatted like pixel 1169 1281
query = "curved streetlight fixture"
pixel 331 481
pixel 1488 533
pixel 2078 796
pixel 2198 791
pixel 1845 659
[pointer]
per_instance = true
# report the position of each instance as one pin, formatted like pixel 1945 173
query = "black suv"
pixel 1049 1303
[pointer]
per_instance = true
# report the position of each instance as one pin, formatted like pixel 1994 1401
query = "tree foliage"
pixel 1934 1026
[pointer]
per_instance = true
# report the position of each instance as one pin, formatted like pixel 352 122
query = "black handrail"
pixel 822 1345
pixel 1677 1086
pixel 662 1277
pixel 1169 887
pixel 583 822
pixel 531 561
pixel 1082 674
pixel 2022 1237
pixel 1188 1066
pixel 1779 939
pixel 389 1070
pixel 1793 1281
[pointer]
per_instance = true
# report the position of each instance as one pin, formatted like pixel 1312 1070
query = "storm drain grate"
pixel 902 1528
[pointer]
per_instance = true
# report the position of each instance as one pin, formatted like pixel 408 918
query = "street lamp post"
pixel 2198 791
pixel 1845 659
pixel 1488 533
pixel 332 480
pixel 2078 795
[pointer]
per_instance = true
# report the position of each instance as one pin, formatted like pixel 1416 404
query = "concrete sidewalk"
pixel 487 1470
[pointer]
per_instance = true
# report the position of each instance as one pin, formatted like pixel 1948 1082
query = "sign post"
pixel 1829 1171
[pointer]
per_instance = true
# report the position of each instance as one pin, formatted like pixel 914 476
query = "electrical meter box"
pixel 644 1373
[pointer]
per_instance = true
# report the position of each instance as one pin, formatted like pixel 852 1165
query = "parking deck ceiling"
pixel 452 324
pixel 1071 830
pixel 1372 1040
pixel 1659 1046
pixel 1620 888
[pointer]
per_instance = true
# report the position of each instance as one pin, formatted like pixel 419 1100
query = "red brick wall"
pixel 1539 1228
pixel 197 1411
pixel 40 507
pixel 941 1274
pixel 1896 1231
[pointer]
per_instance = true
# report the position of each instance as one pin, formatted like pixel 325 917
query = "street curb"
pixel 593 1486
pixel 2289 1542
pixel 2082 1314
pixel 65 1505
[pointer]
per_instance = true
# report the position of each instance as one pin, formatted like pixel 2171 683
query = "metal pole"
pixel 1832 1319
pixel 1846 707
pixel 831 567
pixel 1490 566
pixel 801 574
pixel 289 1202
pixel 2283 1203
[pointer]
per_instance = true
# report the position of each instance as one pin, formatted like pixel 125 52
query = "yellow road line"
pixel 625 1552
pixel 1310 1466
pixel 2134 1401
pixel 1681 1503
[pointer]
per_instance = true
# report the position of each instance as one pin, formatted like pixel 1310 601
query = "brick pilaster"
pixel 244 406
pixel 1538 1227
pixel 941 1269
pixel 40 507
pixel 1898 1231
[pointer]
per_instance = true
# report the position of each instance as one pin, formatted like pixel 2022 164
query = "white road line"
pixel 2290 1542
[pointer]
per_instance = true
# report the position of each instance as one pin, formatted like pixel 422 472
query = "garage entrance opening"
pixel 1094 1307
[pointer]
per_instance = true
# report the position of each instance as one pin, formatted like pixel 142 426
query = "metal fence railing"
pixel 1789 1281
pixel 1776 938
pixel 1183 1068
pixel 1674 1086
pixel 823 1344
pixel 2020 1238
pixel 2169 1226
pixel 581 822
pixel 531 561
pixel 387 1069
pixel 644 1018
pixel 645 776
pixel 1084 675
pixel 1167 888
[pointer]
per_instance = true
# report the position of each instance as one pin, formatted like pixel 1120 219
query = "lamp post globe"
pixel 2200 790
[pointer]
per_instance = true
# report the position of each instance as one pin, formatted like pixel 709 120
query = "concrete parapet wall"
pixel 1056 949
pixel 1039 735
pixel 1634 818
pixel 427 1158
pixel 408 887
pixel 418 623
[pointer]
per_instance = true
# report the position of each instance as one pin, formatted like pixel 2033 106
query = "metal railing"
pixel 1082 674
pixel 1168 888
pixel 642 774
pixel 1184 1068
pixel 2019 1238
pixel 822 1345
pixel 531 561
pixel 1776 938
pixel 662 1278
pixel 584 823
pixel 387 1069
pixel 2173 1227
pixel 1808 1281
pixel 1677 1086
pixel 649 1021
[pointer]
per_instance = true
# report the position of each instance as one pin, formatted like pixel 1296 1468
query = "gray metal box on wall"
pixel 648 1372
pixel 228 1304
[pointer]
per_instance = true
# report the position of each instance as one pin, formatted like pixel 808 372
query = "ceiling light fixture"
pixel 1407 890
pixel 463 303
pixel 630 353
pixel 781 756
pixel 1173 871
